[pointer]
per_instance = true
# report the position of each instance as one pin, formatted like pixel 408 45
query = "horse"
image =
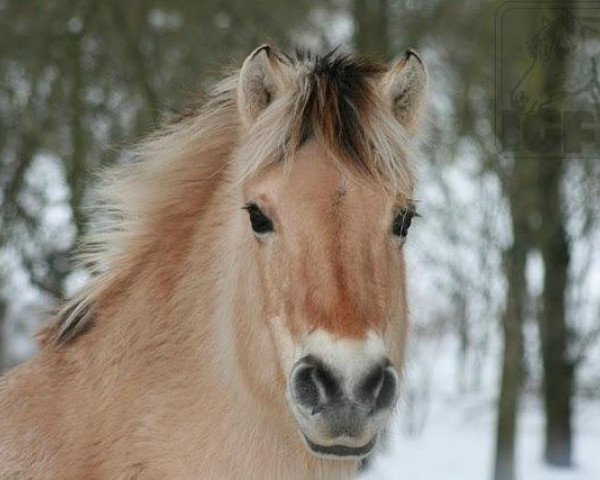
pixel 247 312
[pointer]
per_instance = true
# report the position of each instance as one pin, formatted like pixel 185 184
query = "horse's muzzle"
pixel 341 408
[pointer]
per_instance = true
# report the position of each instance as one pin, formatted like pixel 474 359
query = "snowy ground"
pixel 457 444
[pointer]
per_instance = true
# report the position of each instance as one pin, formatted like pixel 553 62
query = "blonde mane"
pixel 142 204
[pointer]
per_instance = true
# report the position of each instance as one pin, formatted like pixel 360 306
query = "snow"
pixel 457 443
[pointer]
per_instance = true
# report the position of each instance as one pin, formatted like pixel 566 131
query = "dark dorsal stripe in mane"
pixel 74 319
pixel 341 91
pixel 78 320
pixel 340 100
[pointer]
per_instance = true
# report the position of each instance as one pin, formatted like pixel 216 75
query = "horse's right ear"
pixel 263 77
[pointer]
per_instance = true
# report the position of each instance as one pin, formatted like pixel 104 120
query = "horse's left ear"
pixel 263 77
pixel 405 86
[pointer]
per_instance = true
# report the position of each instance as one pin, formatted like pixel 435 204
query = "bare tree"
pixel 553 243
pixel 558 368
pixel 521 201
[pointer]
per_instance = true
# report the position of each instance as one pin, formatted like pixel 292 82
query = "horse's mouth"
pixel 340 451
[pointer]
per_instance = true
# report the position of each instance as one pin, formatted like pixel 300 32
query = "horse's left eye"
pixel 402 222
pixel 259 221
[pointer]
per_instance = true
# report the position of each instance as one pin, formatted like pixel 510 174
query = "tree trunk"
pixel 511 366
pixel 521 204
pixel 558 369
pixel 371 20
pixel 554 245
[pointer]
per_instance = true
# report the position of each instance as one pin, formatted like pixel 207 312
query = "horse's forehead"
pixel 311 179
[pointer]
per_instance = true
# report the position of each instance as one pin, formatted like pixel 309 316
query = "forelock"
pixel 335 100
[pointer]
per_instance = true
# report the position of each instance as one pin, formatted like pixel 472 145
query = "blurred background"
pixel 503 368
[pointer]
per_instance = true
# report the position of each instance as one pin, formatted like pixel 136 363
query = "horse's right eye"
pixel 259 221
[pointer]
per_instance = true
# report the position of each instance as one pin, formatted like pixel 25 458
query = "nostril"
pixel 305 390
pixel 326 383
pixel 388 390
pixel 313 384
pixel 378 388
pixel 371 385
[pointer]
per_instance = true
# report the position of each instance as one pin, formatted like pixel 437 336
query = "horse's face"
pixel 328 251
pixel 325 250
